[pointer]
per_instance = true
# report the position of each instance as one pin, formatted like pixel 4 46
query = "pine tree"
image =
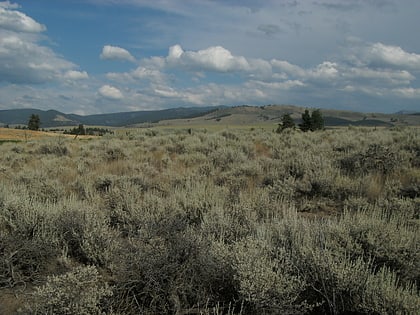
pixel 317 120
pixel 313 121
pixel 306 124
pixel 286 122
pixel 34 122
pixel 81 130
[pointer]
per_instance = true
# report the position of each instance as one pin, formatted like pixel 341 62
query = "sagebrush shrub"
pixel 77 292
pixel 267 280
pixel 235 222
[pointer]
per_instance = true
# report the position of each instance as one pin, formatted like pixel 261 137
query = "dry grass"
pixel 243 221
pixel 8 134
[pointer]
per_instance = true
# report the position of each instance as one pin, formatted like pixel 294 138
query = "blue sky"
pixel 100 56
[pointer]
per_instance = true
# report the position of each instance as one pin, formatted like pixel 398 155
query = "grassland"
pixel 209 221
pixel 16 135
pixel 265 116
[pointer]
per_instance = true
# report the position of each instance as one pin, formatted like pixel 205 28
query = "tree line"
pixel 310 122
pixel 34 123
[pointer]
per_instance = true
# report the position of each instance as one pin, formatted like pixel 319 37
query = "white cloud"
pixel 144 74
pixel 110 92
pixel 285 85
pixel 116 53
pixel 381 76
pixel 217 59
pixel 18 21
pixel 287 67
pixel 393 55
pixel 76 75
pixel 9 5
pixel 324 71
pixel 23 60
pixel 257 81
pixel 214 58
pixel 379 55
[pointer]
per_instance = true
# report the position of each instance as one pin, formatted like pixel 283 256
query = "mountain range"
pixel 53 118
pixel 239 115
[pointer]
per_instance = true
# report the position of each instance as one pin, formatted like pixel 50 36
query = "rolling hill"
pixel 239 115
pixel 53 118
pixel 272 114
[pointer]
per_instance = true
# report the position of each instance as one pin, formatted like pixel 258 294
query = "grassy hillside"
pixel 53 118
pixel 240 115
pixel 271 114
pixel 237 221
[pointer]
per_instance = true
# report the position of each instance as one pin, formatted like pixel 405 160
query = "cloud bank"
pixel 325 53
pixel 18 21
pixel 23 59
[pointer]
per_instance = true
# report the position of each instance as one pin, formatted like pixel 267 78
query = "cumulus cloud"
pixel 392 55
pixel 214 58
pixel 110 92
pixel 17 21
pixel 258 81
pixel 116 53
pixel 381 76
pixel 325 71
pixel 76 75
pixel 287 67
pixel 24 61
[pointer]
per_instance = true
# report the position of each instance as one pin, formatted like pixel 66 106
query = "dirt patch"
pixel 11 302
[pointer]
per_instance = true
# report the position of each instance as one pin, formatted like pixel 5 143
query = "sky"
pixel 104 56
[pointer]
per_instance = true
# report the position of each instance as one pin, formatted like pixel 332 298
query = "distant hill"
pixel 248 115
pixel 53 118
pixel 407 112
pixel 238 115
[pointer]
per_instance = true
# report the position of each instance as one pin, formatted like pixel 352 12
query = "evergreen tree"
pixel 286 122
pixel 34 122
pixel 81 130
pixel 312 122
pixel 317 120
pixel 306 124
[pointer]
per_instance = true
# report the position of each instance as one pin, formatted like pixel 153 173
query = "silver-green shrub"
pixel 77 292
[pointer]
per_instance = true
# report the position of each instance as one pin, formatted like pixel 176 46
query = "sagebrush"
pixel 229 222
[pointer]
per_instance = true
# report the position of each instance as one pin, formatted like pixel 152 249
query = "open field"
pixel 9 134
pixel 169 220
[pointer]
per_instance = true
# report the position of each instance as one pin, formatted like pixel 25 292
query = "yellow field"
pixel 27 135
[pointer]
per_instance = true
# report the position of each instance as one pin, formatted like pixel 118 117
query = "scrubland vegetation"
pixel 227 222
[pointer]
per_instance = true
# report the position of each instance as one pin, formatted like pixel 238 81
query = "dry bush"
pixel 79 291
pixel 27 241
pixel 213 222
pixel 84 234
pixel 267 281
